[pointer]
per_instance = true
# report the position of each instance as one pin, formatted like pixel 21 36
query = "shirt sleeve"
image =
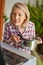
pixel 32 31
pixel 29 32
pixel 6 34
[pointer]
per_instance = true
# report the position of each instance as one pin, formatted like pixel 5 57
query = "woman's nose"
pixel 17 16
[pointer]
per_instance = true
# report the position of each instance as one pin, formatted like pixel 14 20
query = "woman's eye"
pixel 20 15
pixel 14 14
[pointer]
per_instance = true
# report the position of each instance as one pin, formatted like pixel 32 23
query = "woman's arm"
pixel 31 29
pixel 6 35
pixel 9 35
pixel 39 40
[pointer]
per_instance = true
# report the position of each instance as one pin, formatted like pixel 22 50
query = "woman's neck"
pixel 21 29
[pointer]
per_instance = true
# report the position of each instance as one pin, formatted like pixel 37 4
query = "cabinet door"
pixel 2 4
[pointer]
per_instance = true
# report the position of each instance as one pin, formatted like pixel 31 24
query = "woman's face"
pixel 18 16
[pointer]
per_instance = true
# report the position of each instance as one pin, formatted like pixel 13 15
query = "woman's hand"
pixel 15 38
pixel 39 40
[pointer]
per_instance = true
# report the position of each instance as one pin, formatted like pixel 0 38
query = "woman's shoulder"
pixel 7 24
pixel 30 23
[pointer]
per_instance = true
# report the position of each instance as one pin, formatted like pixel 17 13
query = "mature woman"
pixel 19 23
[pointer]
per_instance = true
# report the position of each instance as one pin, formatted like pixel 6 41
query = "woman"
pixel 19 23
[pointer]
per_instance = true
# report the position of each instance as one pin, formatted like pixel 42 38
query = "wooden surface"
pixel 2 4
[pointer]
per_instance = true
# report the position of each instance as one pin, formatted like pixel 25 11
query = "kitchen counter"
pixel 31 59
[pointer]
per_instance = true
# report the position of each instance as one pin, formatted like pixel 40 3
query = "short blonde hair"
pixel 23 7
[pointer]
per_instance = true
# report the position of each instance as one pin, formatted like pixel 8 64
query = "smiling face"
pixel 18 16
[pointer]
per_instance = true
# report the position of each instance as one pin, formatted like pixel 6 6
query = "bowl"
pixel 29 44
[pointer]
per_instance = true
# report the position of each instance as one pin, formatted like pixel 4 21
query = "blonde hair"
pixel 23 7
